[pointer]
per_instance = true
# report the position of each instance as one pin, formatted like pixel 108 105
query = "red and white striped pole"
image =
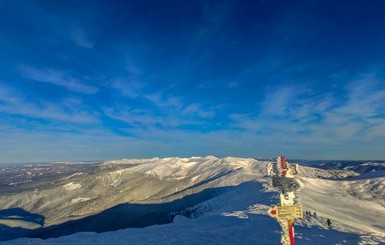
pixel 291 231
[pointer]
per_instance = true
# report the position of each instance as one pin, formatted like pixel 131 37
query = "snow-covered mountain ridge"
pixel 78 195
pixel 218 192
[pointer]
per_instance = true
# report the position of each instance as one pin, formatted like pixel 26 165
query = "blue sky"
pixel 88 80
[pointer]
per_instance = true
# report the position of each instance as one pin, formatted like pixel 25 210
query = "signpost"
pixel 283 175
pixel 287 212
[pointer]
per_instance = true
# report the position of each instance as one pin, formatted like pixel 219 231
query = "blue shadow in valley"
pixel 17 216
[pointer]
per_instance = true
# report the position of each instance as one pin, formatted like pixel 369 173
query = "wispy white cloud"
pixel 365 98
pixel 56 77
pixel 162 100
pixel 160 110
pixel 361 114
pixel 278 101
pixel 130 89
pixel 138 118
pixel 248 122
pixel 177 105
pixel 13 103
pixel 349 119
pixel 80 38
pixel 196 109
pixel 131 85
pixel 333 135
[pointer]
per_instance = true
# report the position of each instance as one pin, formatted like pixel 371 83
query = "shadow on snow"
pixel 121 216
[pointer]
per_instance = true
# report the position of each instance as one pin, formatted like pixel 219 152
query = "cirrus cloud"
pixel 58 78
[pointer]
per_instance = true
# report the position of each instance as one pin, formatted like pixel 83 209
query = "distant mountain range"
pixel 57 200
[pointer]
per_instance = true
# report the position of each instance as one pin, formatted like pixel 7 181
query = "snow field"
pixel 236 216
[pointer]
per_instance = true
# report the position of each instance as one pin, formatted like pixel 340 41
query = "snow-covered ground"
pixel 235 214
pixel 358 204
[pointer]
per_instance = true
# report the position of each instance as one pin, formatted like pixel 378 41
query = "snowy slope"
pixel 357 203
pixel 127 181
pixel 235 213
pixel 167 185
pixel 236 217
